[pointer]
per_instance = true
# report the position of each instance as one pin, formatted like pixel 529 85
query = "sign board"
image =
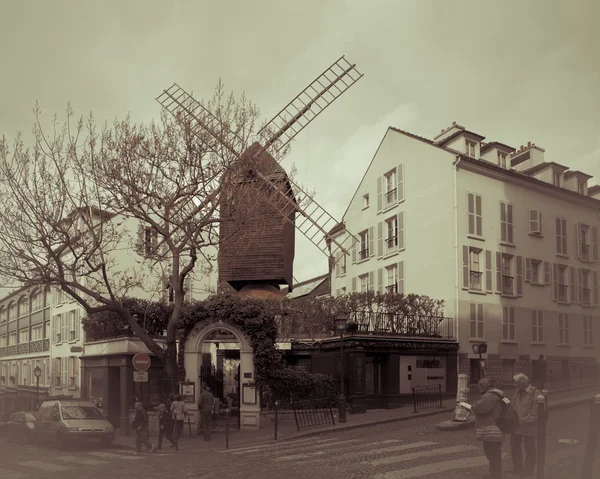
pixel 140 376
pixel 141 362
pixel 483 348
pixel 188 392
pixel 249 394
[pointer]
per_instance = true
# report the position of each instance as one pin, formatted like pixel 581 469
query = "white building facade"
pixel 506 239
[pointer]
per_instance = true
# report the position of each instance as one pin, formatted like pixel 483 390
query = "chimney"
pixel 453 123
pixel 528 144
pixel 443 130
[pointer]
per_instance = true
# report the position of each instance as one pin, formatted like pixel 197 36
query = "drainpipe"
pixel 457 269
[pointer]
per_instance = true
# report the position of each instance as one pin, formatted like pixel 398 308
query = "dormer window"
pixel 471 148
pixel 502 160
pixel 581 187
pixel 555 178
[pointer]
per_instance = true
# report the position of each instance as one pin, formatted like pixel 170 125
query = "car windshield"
pixel 80 412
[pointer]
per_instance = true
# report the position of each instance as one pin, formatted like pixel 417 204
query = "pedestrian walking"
pixel 165 425
pixel 140 424
pixel 525 405
pixel 487 410
pixel 179 412
pixel 205 405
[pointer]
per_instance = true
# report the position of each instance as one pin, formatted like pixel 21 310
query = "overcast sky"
pixel 513 71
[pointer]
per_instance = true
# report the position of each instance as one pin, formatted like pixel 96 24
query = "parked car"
pixel 71 420
pixel 20 426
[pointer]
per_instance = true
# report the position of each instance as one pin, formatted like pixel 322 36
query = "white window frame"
pixel 12 338
pixel 586 289
pixel 471 147
pixel 508 323
pixel 537 326
pixel 580 186
pixel 390 195
pixel 476 321
pixel 391 285
pixel 507 272
pixel 364 282
pixel 535 222
pixel 363 252
pixel 475 215
pixel 366 203
pixel 563 329
pixel 561 235
pixel 507 229
pixel 536 271
pixel 501 159
pixel 391 235
pixel 37 332
pixel 556 178
pixel 585 243
pixel 23 333
pixel 563 283
pixel 475 272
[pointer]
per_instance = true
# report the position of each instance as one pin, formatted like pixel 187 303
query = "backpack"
pixel 508 422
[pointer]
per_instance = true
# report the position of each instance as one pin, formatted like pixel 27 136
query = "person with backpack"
pixel 490 415
pixel 525 405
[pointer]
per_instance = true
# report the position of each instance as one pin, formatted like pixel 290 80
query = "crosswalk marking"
pixel 44 466
pixel 417 455
pixel 8 474
pixel 80 460
pixel 412 445
pixel 320 453
pixel 327 443
pixel 433 468
pixel 299 456
pixel 114 456
pixel 278 445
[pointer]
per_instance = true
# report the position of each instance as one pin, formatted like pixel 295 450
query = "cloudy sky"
pixel 513 71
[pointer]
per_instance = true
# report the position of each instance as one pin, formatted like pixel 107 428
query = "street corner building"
pixel 507 238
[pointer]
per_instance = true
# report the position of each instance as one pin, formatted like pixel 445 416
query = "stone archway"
pixel 249 397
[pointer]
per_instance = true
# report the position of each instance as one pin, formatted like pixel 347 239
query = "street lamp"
pixel 37 372
pixel 480 349
pixel 341 322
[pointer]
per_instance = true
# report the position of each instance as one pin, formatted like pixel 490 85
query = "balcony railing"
pixel 363 253
pixel 507 284
pixel 563 292
pixel 12 349
pixel 587 295
pixel 391 244
pixel 476 280
pixel 390 196
pixel 3 351
pixel 585 251
pixel 403 325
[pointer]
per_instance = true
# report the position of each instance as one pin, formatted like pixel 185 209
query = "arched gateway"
pixel 248 393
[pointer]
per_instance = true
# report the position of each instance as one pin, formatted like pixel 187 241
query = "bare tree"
pixel 71 204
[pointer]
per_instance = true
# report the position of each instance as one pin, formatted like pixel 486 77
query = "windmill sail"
pixel 309 104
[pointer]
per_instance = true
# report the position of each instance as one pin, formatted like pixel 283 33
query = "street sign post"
pixel 141 362
pixel 140 376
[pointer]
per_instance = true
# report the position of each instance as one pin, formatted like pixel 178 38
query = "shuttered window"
pixel 506 222
pixel 537 326
pixel 508 323
pixel 475 214
pixel 475 321
pixel 561 236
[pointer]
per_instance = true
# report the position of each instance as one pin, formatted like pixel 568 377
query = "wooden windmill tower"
pixel 262 254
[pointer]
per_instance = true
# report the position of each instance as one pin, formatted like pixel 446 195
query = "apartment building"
pixel 508 239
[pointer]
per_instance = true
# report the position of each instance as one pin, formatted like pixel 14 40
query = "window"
pixel 502 160
pixel 475 216
pixel 507 275
pixel 23 306
pixel 366 200
pixel 2 315
pixel 343 291
pixel 508 323
pixel 150 240
pixel 57 371
pixel 46 329
pixel 588 338
pixel 561 236
pixel 58 329
pixel 391 188
pixel 537 326
pixel 340 263
pixel 555 178
pixel 74 324
pixel 475 271
pixel 23 336
pixel 563 328
pixel 364 245
pixel 364 283
pixel 12 311
pixel 471 148
pixel 36 301
pixel 581 187
pixel 535 222
pixel 2 341
pixel 583 233
pixel 12 339
pixel 585 287
pixel 536 266
pixel 391 240
pixel 476 321
pixel 73 371
pixel 392 279
pixel 563 293
pixel 36 333
pixel 506 223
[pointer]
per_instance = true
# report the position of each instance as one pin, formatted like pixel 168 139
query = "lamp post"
pixel 480 349
pixel 37 372
pixel 341 322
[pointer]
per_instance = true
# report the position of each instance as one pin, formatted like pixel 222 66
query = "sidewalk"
pixel 287 426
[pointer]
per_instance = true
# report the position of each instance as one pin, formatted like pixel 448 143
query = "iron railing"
pixel 405 325
pixel 363 253
pixel 476 280
pixel 390 196
pixel 427 397
pixel 313 412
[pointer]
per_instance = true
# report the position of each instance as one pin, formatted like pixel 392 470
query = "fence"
pixel 313 412
pixel 426 397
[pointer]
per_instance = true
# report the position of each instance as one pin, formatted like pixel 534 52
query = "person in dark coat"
pixel 542 371
pixel 165 426
pixel 140 424
pixel 486 411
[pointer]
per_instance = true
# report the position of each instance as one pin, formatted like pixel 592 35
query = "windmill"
pixel 265 255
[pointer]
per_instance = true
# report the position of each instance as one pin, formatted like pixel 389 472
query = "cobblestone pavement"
pixel 411 449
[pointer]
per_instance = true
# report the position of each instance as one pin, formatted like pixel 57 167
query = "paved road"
pixel 412 449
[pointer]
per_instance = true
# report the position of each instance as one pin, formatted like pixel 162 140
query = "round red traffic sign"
pixel 141 362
